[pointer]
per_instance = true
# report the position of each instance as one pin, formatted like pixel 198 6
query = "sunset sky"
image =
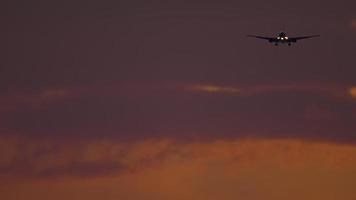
pixel 169 100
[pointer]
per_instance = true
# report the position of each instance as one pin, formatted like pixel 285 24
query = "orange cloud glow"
pixel 353 23
pixel 353 92
pixel 214 89
pixel 332 91
pixel 167 169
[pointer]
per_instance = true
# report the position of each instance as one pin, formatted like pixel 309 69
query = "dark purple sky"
pixel 118 69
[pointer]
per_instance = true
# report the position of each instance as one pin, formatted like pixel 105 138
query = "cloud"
pixel 82 169
pixel 169 169
pixel 42 97
pixel 352 92
pixel 49 156
pixel 139 110
pixel 353 23
pixel 26 158
pixel 213 89
pixel 36 99
pixel 331 91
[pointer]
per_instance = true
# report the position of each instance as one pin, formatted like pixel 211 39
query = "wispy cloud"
pixel 334 91
pixel 352 92
pixel 167 169
pixel 33 99
pixel 142 90
pixel 214 89
pixel 49 158
pixel 353 23
pixel 40 97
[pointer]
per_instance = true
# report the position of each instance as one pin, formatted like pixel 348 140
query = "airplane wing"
pixel 295 39
pixel 261 37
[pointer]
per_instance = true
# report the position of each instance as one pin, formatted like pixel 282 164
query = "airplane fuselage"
pixel 281 38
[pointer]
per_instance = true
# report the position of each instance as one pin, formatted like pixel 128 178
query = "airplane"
pixel 282 38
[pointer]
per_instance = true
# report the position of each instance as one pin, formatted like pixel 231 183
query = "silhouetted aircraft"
pixel 282 38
